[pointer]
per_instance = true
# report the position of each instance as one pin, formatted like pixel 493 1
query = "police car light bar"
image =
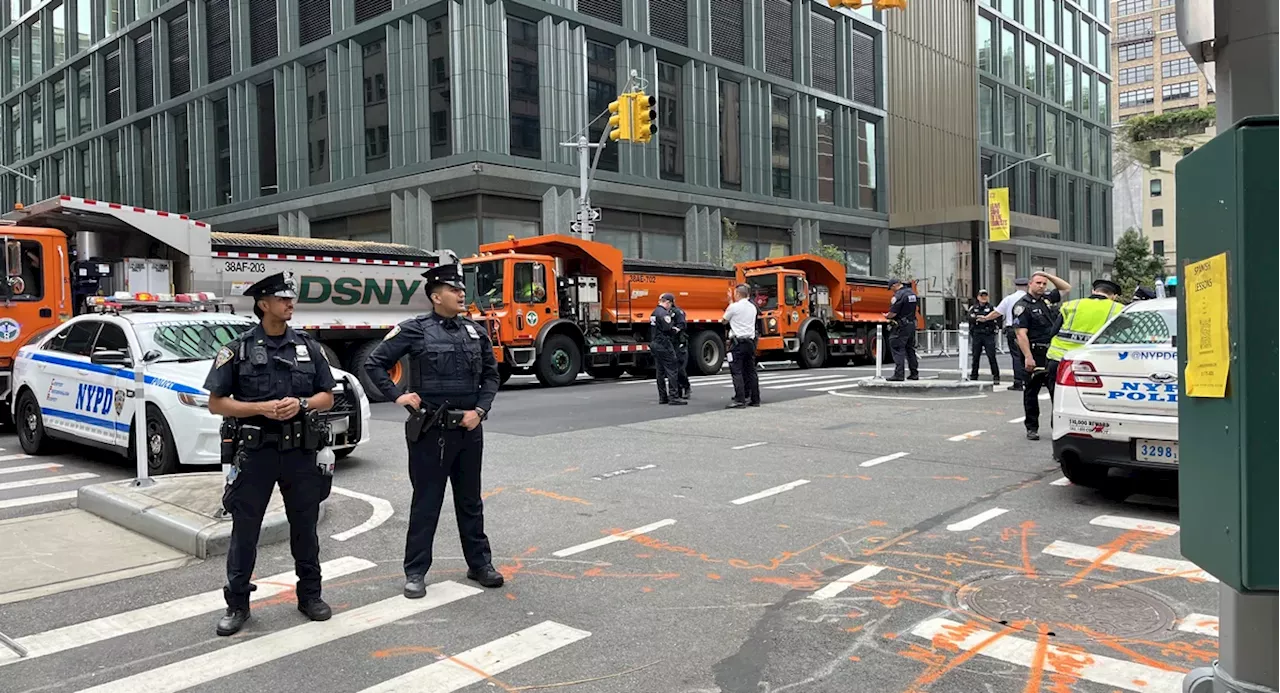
pixel 144 300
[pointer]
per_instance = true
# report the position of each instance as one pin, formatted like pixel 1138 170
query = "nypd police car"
pixel 1116 401
pixel 76 383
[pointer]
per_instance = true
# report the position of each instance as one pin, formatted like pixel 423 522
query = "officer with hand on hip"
pixel 663 334
pixel 453 381
pixel 681 322
pixel 271 383
pixel 902 312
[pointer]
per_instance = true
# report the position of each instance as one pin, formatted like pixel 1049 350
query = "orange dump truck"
pixel 35 292
pixel 812 312
pixel 559 305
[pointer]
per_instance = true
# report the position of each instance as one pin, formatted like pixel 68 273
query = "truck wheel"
pixel 504 373
pixel 31 426
pixel 813 352
pixel 706 350
pixel 399 372
pixel 331 356
pixel 560 361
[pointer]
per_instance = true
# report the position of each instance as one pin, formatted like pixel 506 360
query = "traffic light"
pixel 889 4
pixel 643 115
pixel 851 4
pixel 620 118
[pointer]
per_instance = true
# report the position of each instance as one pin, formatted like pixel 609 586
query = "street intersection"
pixel 828 541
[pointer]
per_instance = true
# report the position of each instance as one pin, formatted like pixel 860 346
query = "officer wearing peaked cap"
pixel 663 334
pixel 268 384
pixel 453 382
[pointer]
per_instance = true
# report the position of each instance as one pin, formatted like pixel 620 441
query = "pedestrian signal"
pixel 620 118
pixel 644 112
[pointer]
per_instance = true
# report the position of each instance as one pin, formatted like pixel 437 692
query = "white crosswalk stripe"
pixel 45 481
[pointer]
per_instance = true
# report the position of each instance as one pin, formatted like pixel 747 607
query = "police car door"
pixel 77 394
pixel 117 382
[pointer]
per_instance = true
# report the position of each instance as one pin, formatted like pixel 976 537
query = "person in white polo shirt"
pixel 741 317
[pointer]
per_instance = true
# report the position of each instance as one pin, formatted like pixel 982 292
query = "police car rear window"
pixel 1141 327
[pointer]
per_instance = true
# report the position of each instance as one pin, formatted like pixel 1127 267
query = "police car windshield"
pixel 1141 327
pixel 188 341
pixel 764 291
pixel 484 284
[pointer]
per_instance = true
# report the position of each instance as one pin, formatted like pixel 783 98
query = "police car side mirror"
pixel 110 358
pixel 151 356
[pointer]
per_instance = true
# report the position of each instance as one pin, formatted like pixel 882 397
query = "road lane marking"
pixel 382 512
pixel 882 460
pixel 12 458
pixel 29 468
pixel 749 445
pixel 1044 396
pixel 1130 561
pixel 253 652
pixel 771 491
pixel 1064 481
pixel 482 663
pixel 26 483
pixel 966 436
pixel 856 382
pixel 613 538
pixel 1020 419
pixel 826 380
pixel 866 572
pixel 1167 529
pixel 1097 668
pixel 137 620
pixel 837 393
pixel 1200 624
pixel 966 525
pixel 620 472
pixel 37 500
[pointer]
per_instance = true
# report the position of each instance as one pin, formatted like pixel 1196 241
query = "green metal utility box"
pixel 1229 455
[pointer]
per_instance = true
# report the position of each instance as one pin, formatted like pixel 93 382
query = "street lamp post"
pixel 986 183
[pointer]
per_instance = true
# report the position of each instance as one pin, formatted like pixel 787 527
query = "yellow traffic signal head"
pixel 889 4
pixel 851 4
pixel 644 109
pixel 620 118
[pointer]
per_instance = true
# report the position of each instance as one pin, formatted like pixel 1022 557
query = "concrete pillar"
pixel 562 103
pixel 294 224
pixel 411 219
pixel 481 119
pixel 702 234
pixel 880 252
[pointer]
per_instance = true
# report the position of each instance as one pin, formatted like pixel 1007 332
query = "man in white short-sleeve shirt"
pixel 741 316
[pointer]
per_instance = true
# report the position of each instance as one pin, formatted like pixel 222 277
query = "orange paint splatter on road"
pixel 950 478
pixel 599 572
pixel 946 641
pixel 854 658
pixel 1038 661
pixel 490 494
pixel 646 589
pixel 1109 549
pixel 800 581
pixel 1114 585
pixel 556 496
pixel 877 523
pixel 712 576
pixel 891 542
pixel 402 651
pixel 1026 528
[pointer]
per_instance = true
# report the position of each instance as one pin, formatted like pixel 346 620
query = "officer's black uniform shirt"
pixel 256 367
pixel 1037 316
pixel 980 310
pixel 904 305
pixel 680 322
pixel 662 326
pixel 451 361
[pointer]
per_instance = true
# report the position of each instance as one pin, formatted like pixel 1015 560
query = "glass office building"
pixel 441 124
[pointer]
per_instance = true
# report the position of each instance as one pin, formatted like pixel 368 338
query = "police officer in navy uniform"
pixel 681 322
pixel 1036 322
pixel 662 344
pixel 452 369
pixel 267 380
pixel 902 344
pixel 983 332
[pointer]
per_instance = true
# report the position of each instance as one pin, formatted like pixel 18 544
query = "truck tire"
pixel 813 350
pixel 559 362
pixel 399 373
pixel 331 356
pixel 504 373
pixel 706 351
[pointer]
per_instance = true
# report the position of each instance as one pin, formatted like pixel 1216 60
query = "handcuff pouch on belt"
pixel 310 433
pixel 423 420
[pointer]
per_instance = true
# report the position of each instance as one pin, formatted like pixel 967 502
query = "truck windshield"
pixel 484 284
pixel 189 341
pixel 764 291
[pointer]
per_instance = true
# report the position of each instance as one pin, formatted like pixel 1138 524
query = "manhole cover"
pixel 1070 611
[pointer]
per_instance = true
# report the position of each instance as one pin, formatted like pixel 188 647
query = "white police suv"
pixel 76 382
pixel 1116 402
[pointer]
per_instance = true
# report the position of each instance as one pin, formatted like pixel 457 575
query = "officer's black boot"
pixel 233 620
pixel 415 586
pixel 315 609
pixel 486 576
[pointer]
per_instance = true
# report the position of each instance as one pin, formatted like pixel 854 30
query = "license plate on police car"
pixel 1146 450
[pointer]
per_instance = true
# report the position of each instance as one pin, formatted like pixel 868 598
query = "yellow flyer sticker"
pixel 1208 336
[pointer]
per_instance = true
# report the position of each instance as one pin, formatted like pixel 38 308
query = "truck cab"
pixel 782 300
pixel 509 294
pixel 35 295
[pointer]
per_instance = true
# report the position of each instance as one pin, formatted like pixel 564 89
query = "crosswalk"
pixel 448 671
pixel 808 381
pixel 34 483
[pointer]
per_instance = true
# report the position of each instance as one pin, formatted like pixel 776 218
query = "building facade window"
pixel 670 122
pixel 1128 7
pixel 1068 84
pixel 986 114
pixel 314 22
pixel 1156 187
pixel 317 123
pixel 1051 20
pixel 985 48
pixel 1137 28
pixel 1009 122
pixel 1157 217
pixel 1157 249
pixel 730 135
pixel 377 131
pixel 1180 90
pixel 37 47
pixel 1168 21
pixel 780 135
pixel 84 100
pixel 522 73
pixel 144 84
pixel 60 110
pixel 146 170
pixel 1176 68
pixel 222 151
pixel 1134 51
pixel 778 39
pixel 826 156
pixel 218 38
pixel 1170 46
pixel 36 106
pixel 602 89
pixel 1137 75
pixel 1051 76
pixel 440 99
pixel 111 90
pixel 1137 97
pixel 267 177
pixel 1051 135
pixel 1031 126
pixel 84 25
pixel 1031 66
pixel 868 144
pixel 1008 56
pixel 182 162
pixel 263 42
pixel 179 56
pixel 1086 150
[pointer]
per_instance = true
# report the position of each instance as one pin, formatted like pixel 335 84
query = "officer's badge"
pixel 471 331
pixel 394 331
pixel 667 318
pixel 224 355
pixel 303 354
pixel 1017 310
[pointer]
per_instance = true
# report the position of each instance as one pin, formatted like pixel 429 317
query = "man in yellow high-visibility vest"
pixel 1081 319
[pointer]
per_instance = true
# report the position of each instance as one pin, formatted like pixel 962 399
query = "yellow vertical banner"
pixel 1209 340
pixel 998 214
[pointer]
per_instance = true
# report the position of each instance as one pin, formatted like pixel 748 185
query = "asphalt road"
pixel 823 542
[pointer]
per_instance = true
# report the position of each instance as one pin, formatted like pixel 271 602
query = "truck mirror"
pixel 13 258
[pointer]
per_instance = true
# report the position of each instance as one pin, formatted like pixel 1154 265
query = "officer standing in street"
pixel 1036 322
pixel 983 333
pixel 271 381
pixel 663 336
pixel 453 382
pixel 741 318
pixel 902 313
pixel 680 320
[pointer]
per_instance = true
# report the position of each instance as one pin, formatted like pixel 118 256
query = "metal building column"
pixel 401 121
pixel 802 45
pixel 804 148
pixel 880 252
pixel 294 224
pixel 701 125
pixel 753 26
pixel 246 173
pixel 198 46
pixel 291 139
pixel 481 117
pixel 559 210
pixel 341 103
pixel 241 40
pixel 846 157
pixel 562 102
pixel 411 218
pixel 699 17
pixel 355 81
pixel 203 156
pixel 755 130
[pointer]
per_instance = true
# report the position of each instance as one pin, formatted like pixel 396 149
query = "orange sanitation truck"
pixel 558 305
pixel 35 292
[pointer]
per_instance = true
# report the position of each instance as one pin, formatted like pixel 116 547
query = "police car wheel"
pixel 162 454
pixel 31 425
pixel 343 453
pixel 1086 475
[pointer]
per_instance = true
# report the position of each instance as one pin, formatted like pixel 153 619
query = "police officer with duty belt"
pixel 983 333
pixel 663 334
pixel 453 381
pixel 681 322
pixel 902 313
pixel 270 384
pixel 1036 321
